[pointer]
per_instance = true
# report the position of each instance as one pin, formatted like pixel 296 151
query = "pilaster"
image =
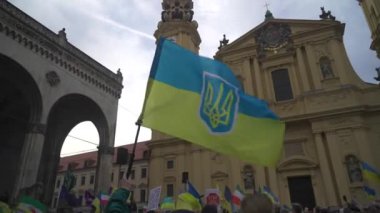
pixel 302 70
pixel 258 78
pixel 313 66
pixel 104 170
pixel 30 157
pixel 330 197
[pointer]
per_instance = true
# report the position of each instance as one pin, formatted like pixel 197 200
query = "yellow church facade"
pixel 371 10
pixel 300 67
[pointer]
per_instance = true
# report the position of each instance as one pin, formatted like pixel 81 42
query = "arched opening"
pixel 67 113
pixel 82 139
pixel 20 110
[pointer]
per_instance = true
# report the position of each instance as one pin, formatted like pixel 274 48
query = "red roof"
pixel 92 157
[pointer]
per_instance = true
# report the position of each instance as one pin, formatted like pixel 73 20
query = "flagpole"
pixel 132 158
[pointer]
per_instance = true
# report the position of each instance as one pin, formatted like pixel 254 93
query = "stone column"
pixel 273 184
pixel 104 169
pixel 315 71
pixel 248 76
pixel 330 197
pixel 338 166
pixel 30 157
pixel 302 70
pixel 258 79
pixel 259 176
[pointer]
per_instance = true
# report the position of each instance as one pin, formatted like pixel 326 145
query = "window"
pixel 132 174
pixel 55 202
pixel 83 180
pixel 143 173
pixel 142 195
pixel 92 179
pixel 169 190
pixel 326 70
pixel 281 83
pixel 112 176
pixel 121 174
pixel 170 164
pixel 58 183
pixel 145 154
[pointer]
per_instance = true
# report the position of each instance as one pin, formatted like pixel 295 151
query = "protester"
pixel 258 203
pixel 297 208
pixel 209 209
pixel 118 200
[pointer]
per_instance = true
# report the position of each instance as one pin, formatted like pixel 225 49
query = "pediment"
pixel 297 28
pixel 297 163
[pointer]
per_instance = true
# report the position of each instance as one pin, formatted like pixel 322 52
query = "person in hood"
pixel 118 200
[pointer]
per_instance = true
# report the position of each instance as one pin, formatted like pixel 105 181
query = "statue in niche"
pixel 248 177
pixel 353 169
pixel 326 69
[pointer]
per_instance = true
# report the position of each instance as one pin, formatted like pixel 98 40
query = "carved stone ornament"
pixel 273 37
pixel 52 78
pixel 177 10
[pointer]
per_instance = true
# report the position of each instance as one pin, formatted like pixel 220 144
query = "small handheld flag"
pixel 370 173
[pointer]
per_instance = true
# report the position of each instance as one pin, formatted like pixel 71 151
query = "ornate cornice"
pixel 32 35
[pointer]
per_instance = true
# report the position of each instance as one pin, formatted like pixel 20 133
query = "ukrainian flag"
pixel 370 173
pixel 200 100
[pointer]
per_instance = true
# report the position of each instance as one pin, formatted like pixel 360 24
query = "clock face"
pixel 274 36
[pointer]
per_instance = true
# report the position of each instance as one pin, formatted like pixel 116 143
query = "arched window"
pixel 281 84
pixel 353 169
pixel 326 70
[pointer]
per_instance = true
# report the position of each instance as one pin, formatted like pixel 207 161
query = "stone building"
pixel 47 87
pixel 83 167
pixel 300 67
pixel 371 10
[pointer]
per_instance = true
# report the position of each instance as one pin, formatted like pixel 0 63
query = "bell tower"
pixel 178 25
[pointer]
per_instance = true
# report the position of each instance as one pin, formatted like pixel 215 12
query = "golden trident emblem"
pixel 219 110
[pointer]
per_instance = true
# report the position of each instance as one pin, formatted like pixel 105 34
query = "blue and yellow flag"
pixel 370 173
pixel 200 100
pixel 371 193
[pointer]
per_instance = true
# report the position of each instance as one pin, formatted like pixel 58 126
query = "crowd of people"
pixel 256 203
pixel 251 203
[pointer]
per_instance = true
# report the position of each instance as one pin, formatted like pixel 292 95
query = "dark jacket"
pixel 118 202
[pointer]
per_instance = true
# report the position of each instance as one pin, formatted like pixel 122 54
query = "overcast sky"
pixel 118 34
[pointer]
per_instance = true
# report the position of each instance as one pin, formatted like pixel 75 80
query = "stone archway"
pixel 66 113
pixel 20 112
